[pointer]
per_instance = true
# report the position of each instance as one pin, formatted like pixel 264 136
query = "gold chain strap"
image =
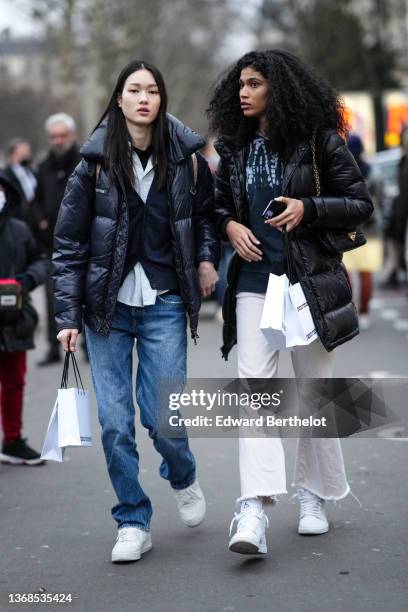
pixel 351 235
pixel 315 168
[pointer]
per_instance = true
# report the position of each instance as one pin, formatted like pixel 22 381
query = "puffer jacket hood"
pixel 183 142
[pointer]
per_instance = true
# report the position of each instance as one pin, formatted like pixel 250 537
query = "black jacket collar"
pixel 226 149
pixel 183 141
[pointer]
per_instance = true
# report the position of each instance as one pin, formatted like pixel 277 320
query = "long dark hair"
pixel 117 152
pixel 299 102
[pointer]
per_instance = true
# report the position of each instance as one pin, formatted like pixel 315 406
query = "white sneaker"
pixel 313 520
pixel 249 538
pixel 191 504
pixel 131 543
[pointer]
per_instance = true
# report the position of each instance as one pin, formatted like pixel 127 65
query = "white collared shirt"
pixel 136 289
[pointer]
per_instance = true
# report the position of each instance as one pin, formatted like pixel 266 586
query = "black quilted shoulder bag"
pixel 335 241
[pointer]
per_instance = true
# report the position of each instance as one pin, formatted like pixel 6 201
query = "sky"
pixel 15 18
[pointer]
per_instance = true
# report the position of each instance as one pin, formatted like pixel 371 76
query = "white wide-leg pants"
pixel 319 464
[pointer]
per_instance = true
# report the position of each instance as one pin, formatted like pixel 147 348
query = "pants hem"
pixel 251 495
pixel 133 524
pixel 325 497
pixel 183 486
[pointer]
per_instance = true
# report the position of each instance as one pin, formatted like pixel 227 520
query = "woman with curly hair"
pixel 279 126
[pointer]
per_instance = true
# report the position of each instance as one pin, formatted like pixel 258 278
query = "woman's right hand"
pixel 68 339
pixel 243 241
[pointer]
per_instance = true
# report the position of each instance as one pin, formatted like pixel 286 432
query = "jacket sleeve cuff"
pixel 26 281
pixel 69 326
pixel 207 259
pixel 310 212
pixel 223 228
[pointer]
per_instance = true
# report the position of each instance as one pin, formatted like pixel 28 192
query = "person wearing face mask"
pixel 22 268
pixel 20 173
pixel 53 174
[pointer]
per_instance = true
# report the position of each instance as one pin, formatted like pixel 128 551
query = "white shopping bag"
pixel 50 449
pixel 299 326
pixel 273 313
pixel 74 418
pixel 70 422
pixel 286 320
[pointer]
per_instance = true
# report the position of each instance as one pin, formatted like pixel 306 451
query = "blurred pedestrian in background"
pixel 19 171
pixel 396 227
pixel 22 268
pixel 53 174
pixel 369 258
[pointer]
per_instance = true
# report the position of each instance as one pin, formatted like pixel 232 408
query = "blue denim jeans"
pixel 160 332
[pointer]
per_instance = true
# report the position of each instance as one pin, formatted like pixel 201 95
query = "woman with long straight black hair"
pixel 280 127
pixel 135 249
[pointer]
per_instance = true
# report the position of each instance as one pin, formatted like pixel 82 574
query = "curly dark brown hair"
pixel 299 102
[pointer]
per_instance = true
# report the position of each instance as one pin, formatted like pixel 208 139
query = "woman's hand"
pixel 68 339
pixel 243 241
pixel 291 217
pixel 208 277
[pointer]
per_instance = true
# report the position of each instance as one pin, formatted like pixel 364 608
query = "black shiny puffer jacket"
pixel 91 233
pixel 344 204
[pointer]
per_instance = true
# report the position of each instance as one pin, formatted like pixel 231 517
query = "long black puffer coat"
pixel 344 204
pixel 91 233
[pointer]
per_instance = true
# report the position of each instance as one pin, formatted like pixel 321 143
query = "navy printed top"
pixel 263 183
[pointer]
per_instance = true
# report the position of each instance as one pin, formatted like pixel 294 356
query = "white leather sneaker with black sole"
pixel 249 538
pixel 313 520
pixel 131 543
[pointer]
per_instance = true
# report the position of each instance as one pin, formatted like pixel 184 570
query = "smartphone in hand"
pixel 273 209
